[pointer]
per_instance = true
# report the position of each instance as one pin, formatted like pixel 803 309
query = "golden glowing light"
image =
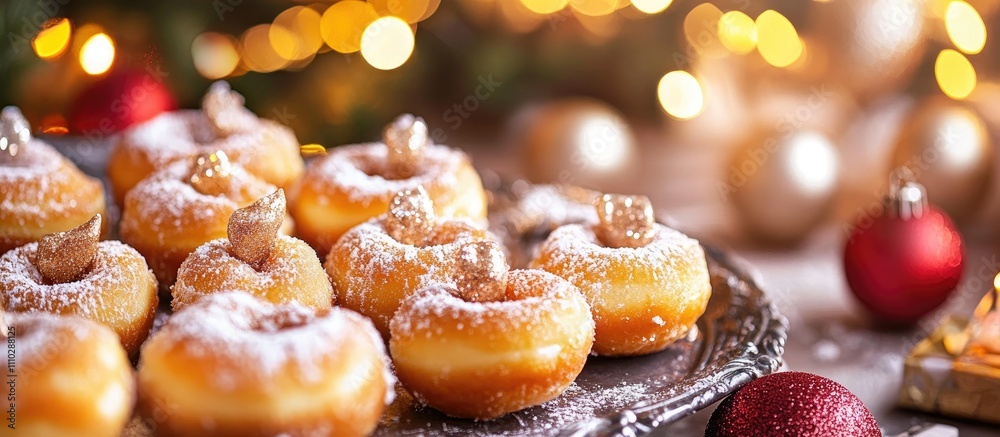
pixel 53 39
pixel 954 73
pixel 738 32
pixel 411 11
pixel 387 43
pixel 651 6
pixel 965 27
pixel 343 23
pixel 214 55
pixel 680 95
pixel 701 28
pixel 777 40
pixel 594 8
pixel 545 6
pixel 517 18
pixel 257 52
pixel 295 33
pixel 97 54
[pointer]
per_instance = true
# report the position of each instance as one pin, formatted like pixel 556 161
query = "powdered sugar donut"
pixel 167 216
pixel 378 263
pixel 265 148
pixel 41 192
pixel 114 287
pixel 485 359
pixel 255 259
pixel 643 298
pixel 234 365
pixel 355 183
pixel 73 378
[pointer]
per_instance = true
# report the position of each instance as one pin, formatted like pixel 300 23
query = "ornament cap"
pixel 254 229
pixel 411 218
pixel 481 272
pixel 15 132
pixel 406 137
pixel 63 257
pixel 211 172
pixel 907 199
pixel 625 221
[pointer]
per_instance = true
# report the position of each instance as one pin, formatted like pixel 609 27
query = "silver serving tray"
pixel 740 337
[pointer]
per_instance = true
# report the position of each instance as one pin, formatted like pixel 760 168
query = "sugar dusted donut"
pixel 73 378
pixel 378 263
pixel 41 192
pixel 646 283
pixel 233 365
pixel 265 148
pixel 174 211
pixel 71 273
pixel 255 259
pixel 494 342
pixel 355 183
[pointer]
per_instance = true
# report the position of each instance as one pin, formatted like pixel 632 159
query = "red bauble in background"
pixel 907 262
pixel 793 404
pixel 119 100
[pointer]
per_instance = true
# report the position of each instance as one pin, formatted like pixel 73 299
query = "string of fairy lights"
pixel 383 31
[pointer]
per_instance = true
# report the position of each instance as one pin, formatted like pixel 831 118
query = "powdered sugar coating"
pixel 39 184
pixel 359 171
pixel 255 340
pixel 40 335
pixel 22 287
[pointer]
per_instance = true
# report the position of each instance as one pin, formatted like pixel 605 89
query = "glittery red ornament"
pixel 793 404
pixel 906 262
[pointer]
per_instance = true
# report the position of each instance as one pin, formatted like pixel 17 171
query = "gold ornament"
pixel 481 272
pixel 211 172
pixel 406 139
pixel 782 184
pixel 625 221
pixel 948 148
pixel 226 111
pixel 984 330
pixel 574 141
pixel 64 256
pixel 14 131
pixel 254 229
pixel 870 47
pixel 411 218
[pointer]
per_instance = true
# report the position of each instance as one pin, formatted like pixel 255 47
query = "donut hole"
pixel 284 319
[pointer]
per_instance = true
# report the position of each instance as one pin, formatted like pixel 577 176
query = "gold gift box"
pixel 942 376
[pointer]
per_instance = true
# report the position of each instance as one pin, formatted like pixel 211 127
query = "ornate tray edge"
pixel 761 344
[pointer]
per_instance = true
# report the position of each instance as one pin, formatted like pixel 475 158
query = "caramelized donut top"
pixel 167 196
pixel 22 287
pixel 254 339
pixel 360 171
pixel 529 295
pixel 40 181
pixel 179 134
pixel 39 335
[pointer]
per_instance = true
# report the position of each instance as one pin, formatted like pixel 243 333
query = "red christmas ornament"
pixel 793 404
pixel 905 263
pixel 119 100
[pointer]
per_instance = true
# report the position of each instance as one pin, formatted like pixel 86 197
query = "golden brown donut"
pixel 354 183
pixel 41 192
pixel 73 378
pixel 71 273
pixel 255 259
pixel 486 355
pixel 174 211
pixel 647 284
pixel 378 263
pixel 233 365
pixel 265 148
